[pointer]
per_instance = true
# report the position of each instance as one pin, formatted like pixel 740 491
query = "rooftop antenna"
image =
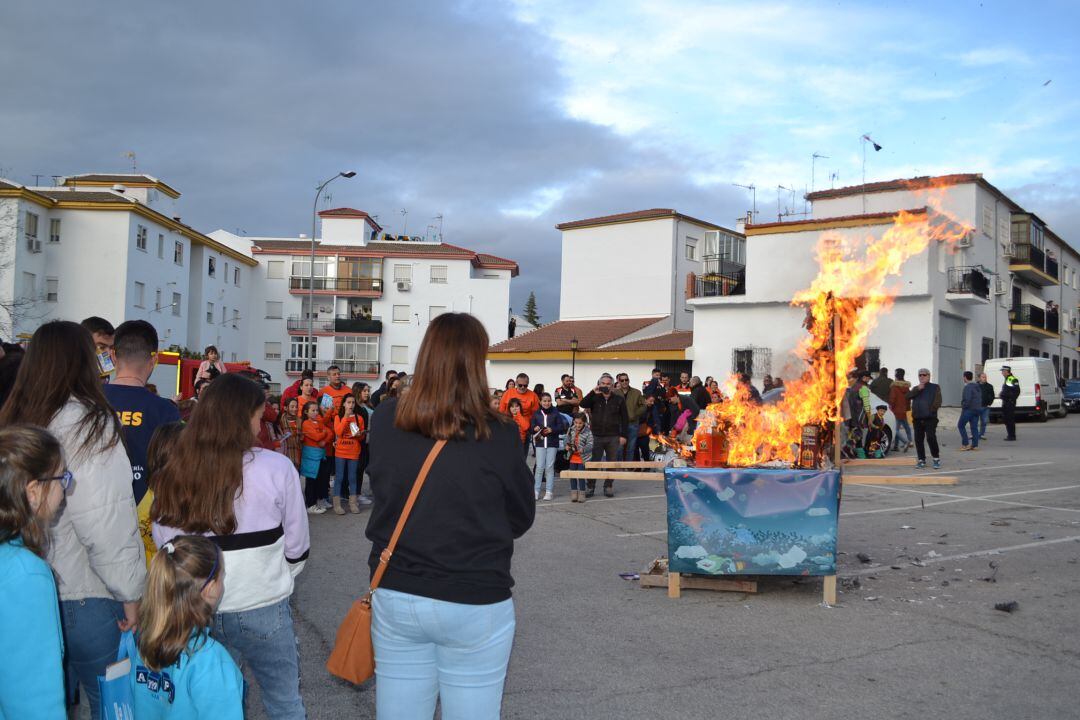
pixel 813 164
pixel 405 222
pixel 130 155
pixel 834 177
pixel 877 148
pixel 787 210
pixel 439 217
pixel 37 178
pixel 753 194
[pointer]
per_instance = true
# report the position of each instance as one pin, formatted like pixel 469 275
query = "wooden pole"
pixel 839 424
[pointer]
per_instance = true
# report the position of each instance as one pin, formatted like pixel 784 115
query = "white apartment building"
pixel 1011 289
pixel 367 300
pixel 623 305
pixel 115 246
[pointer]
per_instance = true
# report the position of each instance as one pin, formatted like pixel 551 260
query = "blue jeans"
pixel 545 467
pixel 343 468
pixel 91 638
pixel 576 484
pixel 906 426
pixel 626 454
pixel 984 420
pixel 427 649
pixel 969 418
pixel 264 639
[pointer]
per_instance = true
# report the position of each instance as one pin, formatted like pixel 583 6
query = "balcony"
pixel 1033 321
pixel 340 324
pixel 721 278
pixel 358 286
pixel 968 285
pixel 1031 263
pixel 352 368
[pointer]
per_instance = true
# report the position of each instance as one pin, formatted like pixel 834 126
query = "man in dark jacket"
pixel 970 410
pixel 987 391
pixel 376 397
pixel 881 385
pixel 1010 391
pixel 609 421
pixel 635 408
pixel 925 400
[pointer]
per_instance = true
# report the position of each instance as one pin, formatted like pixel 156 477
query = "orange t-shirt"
pixel 348 445
pixel 529 402
pixel 336 395
pixel 522 421
pixel 316 434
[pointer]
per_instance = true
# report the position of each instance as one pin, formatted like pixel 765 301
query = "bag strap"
pixel 384 556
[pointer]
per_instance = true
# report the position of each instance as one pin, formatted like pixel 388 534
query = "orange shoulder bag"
pixel 353 657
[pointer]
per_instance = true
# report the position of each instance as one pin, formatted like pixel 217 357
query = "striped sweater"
pixel 271 541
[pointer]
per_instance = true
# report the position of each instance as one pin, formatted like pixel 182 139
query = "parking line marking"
pixel 642 534
pixel 992 467
pixel 962 498
pixel 965 556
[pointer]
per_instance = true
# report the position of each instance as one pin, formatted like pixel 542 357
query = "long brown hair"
pixel 162 444
pixel 449 389
pixel 27 453
pixel 173 606
pixel 196 489
pixel 60 365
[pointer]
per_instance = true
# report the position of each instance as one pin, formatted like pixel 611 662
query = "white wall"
pixel 223 292
pixel 345 231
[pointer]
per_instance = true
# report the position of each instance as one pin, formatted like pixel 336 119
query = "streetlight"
pixel 311 267
pixel 573 357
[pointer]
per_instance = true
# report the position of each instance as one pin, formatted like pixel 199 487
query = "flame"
pixel 845 300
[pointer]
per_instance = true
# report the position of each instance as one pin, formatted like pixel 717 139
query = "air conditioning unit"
pixel 404 286
pixel 35 246
pixel 1000 287
pixel 965 240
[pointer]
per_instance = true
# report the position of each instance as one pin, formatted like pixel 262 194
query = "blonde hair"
pixel 173 607
pixel 27 453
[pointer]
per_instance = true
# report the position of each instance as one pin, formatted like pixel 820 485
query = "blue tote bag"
pixel 117 697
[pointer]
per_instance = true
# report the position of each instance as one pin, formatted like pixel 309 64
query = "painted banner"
pixel 752 521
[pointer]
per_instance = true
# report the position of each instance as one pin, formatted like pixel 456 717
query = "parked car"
pixel 1040 394
pixel 1072 396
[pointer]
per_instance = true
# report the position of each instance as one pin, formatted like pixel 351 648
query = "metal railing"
pixel 336 324
pixel 720 285
pixel 348 367
pixel 1026 314
pixel 1051 267
pixel 969 280
pixel 338 284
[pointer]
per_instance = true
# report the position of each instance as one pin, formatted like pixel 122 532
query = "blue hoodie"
pixel 203 683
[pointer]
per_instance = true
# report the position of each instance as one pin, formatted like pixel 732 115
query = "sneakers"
pixel 536 495
pixel 549 496
pixel 966 448
pixel 364 499
pixel 316 509
pixel 920 464
pixel 937 464
pixel 325 504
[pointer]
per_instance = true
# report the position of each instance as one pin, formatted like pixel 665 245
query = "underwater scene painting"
pixel 752 521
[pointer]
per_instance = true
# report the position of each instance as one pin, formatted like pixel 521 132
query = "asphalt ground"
pixel 916 637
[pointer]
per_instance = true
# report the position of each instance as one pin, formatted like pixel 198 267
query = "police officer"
pixel 1010 391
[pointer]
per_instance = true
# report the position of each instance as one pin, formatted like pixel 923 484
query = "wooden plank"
pixel 696 582
pixel 674 589
pixel 625 465
pixel 828 591
pixel 883 462
pixel 898 479
pixel 610 475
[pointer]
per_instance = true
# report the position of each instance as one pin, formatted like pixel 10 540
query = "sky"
pixel 507 117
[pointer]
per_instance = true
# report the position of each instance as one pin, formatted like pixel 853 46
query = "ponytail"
pixel 173 607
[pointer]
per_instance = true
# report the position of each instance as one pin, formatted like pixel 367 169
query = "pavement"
pixel 914 633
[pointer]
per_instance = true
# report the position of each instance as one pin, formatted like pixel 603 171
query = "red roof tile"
pixel 653 214
pixel 590 334
pixel 345 212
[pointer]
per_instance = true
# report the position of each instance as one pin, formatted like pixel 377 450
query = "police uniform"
pixel 1010 391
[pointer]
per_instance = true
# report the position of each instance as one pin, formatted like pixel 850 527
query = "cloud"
pixel 1002 55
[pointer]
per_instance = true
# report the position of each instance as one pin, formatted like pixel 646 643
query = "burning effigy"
pixel 758 492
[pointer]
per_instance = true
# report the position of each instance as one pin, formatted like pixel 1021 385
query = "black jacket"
pixel 987 394
pixel 607 414
pixel 458 541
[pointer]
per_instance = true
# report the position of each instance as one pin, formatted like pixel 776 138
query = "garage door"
pixel 952 337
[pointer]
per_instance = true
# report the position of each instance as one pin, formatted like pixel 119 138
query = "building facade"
pixel 1009 288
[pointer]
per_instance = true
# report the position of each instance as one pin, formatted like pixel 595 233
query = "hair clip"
pixel 168 547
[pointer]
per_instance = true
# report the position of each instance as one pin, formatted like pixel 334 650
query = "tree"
pixel 530 313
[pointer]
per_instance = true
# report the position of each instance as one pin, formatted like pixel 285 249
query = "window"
pixel 29 282
pixel 161 246
pixel 157 299
pixel 212 268
pixel 236 276
pixel 356 347
pixel 275 269
pixel 403 273
pixel 223 309
pixel 987 349
pixel 210 313
pixel 225 277
pixel 723 246
pixel 176 304
pixel 988 220
pixel 753 360
pixel 301 266
pixel 1003 349
pixel 54 230
pixel 1003 229
pixel 274 309
pixel 691 249
pixel 140 294
pixel 178 253
pixel 870 360
pixel 1017 351
pixel 52 289
pixel 235 318
pixel 272 350
pixel 275 388
pixel 401 313
pixel 140 237
pixel 435 311
pixel 399 354
pixel 301 348
pixel 31 229
pixel 438 274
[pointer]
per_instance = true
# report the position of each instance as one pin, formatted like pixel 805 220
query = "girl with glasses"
pixel 32 486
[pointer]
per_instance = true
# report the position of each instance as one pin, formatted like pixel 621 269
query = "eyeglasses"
pixel 65 479
pixel 924 374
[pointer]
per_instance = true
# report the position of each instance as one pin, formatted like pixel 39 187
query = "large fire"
pixel 852 286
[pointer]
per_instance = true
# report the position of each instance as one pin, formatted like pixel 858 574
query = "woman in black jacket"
pixel 442 618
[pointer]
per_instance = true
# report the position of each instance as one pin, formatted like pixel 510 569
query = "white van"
pixel 1040 394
